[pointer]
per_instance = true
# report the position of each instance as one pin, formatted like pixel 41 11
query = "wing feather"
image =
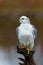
pixel 34 31
pixel 17 31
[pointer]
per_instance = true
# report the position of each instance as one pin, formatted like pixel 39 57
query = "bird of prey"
pixel 26 33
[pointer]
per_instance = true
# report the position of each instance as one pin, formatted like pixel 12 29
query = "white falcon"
pixel 26 33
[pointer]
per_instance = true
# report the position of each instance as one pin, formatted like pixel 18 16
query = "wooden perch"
pixel 28 57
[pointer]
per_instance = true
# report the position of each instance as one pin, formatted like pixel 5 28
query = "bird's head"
pixel 24 19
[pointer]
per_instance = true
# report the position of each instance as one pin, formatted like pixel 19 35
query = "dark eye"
pixel 23 18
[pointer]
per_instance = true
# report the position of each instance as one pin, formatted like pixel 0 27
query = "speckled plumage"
pixel 26 32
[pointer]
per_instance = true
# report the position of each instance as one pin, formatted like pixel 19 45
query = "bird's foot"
pixel 28 50
pixel 23 46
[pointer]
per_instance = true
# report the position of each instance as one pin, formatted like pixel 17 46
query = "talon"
pixel 23 46
pixel 28 49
